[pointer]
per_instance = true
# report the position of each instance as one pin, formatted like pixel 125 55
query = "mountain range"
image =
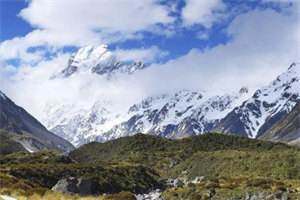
pixel 37 164
pixel 173 115
pixel 179 156
pixel 267 106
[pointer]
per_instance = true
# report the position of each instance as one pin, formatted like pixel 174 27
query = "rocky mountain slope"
pixel 181 114
pixel 266 107
pixel 8 144
pixel 173 115
pixel 178 115
pixel 287 129
pixel 18 125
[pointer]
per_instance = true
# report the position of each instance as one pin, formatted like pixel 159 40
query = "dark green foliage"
pixel 121 148
pixel 124 148
pixel 140 163
pixel 110 179
pixel 163 154
pixel 8 145
pixel 121 195
pixel 42 157
pixel 238 188
pixel 279 165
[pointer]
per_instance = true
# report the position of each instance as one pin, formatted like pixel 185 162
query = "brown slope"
pixel 286 130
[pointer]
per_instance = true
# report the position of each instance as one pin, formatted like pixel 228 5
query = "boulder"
pixel 81 186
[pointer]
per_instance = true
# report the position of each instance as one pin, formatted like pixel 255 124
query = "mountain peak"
pixel 268 105
pixel 293 65
pixel 294 68
pixel 2 95
pixel 98 60
pixel 90 53
pixel 291 76
pixel 243 90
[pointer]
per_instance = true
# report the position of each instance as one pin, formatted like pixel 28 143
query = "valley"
pixel 210 166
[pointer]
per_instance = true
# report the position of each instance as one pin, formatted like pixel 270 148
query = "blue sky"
pixel 11 25
pixel 178 44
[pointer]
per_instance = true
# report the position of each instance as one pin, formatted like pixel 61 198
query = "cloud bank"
pixel 263 44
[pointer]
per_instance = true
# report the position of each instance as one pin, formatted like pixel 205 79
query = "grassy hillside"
pixel 45 169
pixel 279 165
pixel 230 166
pixel 142 144
pixel 163 154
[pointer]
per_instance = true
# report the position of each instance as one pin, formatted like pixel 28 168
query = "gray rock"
pixel 198 179
pixel 263 196
pixel 80 186
pixel 175 182
pixel 66 185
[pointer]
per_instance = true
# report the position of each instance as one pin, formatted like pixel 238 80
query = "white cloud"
pixel 111 15
pixel 60 23
pixel 147 55
pixel 203 12
pixel 264 44
pixel 17 47
pixel 32 87
pixel 84 21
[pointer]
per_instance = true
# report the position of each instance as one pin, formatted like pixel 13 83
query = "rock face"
pixel 177 115
pixel 26 130
pixel 79 186
pixel 262 196
pixel 287 129
pixel 266 107
pixel 180 115
pixel 153 195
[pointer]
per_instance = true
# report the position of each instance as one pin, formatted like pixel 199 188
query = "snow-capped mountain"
pixel 286 130
pixel 2 96
pixel 99 60
pixel 181 114
pixel 267 106
pixel 170 115
pixel 78 124
pixel 173 115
